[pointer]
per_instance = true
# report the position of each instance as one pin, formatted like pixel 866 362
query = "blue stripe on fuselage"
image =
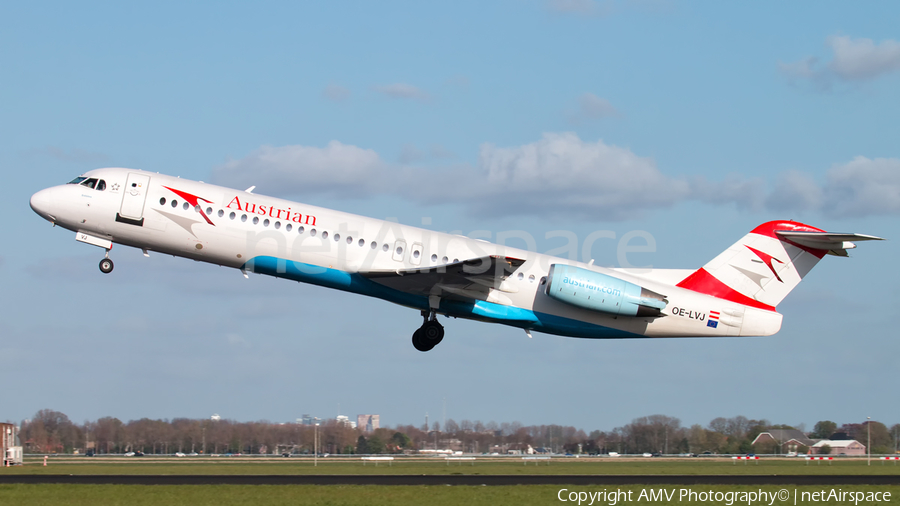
pixel 477 310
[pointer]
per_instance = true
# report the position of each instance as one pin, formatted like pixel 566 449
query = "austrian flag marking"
pixel 713 319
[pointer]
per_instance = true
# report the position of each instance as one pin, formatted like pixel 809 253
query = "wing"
pixel 835 243
pixel 471 279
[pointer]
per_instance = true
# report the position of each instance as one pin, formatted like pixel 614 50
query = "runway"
pixel 463 480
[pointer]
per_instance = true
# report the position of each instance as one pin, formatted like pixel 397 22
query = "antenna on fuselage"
pixel 250 190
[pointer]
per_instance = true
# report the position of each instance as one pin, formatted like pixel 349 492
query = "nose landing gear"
pixel 429 334
pixel 106 265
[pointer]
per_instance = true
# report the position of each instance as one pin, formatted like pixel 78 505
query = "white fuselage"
pixel 311 244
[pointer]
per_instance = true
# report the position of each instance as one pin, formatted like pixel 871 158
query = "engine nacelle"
pixel 600 292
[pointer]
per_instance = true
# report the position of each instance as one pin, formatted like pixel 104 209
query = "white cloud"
pixel 862 58
pixel 863 187
pixel 860 187
pixel 592 107
pixel 410 153
pixel 852 60
pixel 795 191
pixel 337 168
pixel 438 151
pixel 336 93
pixel 559 174
pixel 562 173
pixel 402 90
pixel 745 193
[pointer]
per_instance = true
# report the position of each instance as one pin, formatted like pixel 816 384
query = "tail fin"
pixel 766 264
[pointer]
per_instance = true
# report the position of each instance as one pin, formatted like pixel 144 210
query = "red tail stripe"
pixel 768 229
pixel 702 281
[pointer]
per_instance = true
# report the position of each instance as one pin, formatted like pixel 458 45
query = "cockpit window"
pixel 90 183
pixel 101 185
pixel 77 180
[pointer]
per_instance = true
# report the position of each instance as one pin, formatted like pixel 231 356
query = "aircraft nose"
pixel 41 202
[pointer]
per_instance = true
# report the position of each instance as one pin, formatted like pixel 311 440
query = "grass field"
pixel 504 466
pixel 409 495
pixel 223 495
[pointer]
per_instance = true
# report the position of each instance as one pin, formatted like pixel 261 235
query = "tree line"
pixel 53 432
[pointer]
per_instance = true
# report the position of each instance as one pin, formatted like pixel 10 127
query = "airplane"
pixel 735 294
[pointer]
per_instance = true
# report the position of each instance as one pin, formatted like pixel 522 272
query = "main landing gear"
pixel 429 334
pixel 106 265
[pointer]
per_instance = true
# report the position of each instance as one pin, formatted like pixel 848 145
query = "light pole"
pixel 316 446
pixel 869 440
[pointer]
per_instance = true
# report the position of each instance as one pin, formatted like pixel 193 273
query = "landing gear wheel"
pixel 429 334
pixel 418 342
pixel 106 266
pixel 432 332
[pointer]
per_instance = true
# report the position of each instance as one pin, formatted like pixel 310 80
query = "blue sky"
pixel 693 122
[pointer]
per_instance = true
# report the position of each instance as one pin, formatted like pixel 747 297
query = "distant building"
pixel 10 447
pixel 309 420
pixel 783 441
pixel 839 447
pixel 345 421
pixel 367 423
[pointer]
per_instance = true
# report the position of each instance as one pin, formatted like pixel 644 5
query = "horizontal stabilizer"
pixel 835 243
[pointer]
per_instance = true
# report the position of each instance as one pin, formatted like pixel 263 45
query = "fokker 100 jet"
pixel 735 294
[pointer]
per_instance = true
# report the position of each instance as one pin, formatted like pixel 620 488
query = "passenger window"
pixel 174 203
pixel 101 185
pixel 162 201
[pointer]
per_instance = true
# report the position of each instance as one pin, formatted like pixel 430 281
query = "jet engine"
pixel 601 292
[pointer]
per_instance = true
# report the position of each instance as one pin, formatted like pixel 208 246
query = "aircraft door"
pixel 133 198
